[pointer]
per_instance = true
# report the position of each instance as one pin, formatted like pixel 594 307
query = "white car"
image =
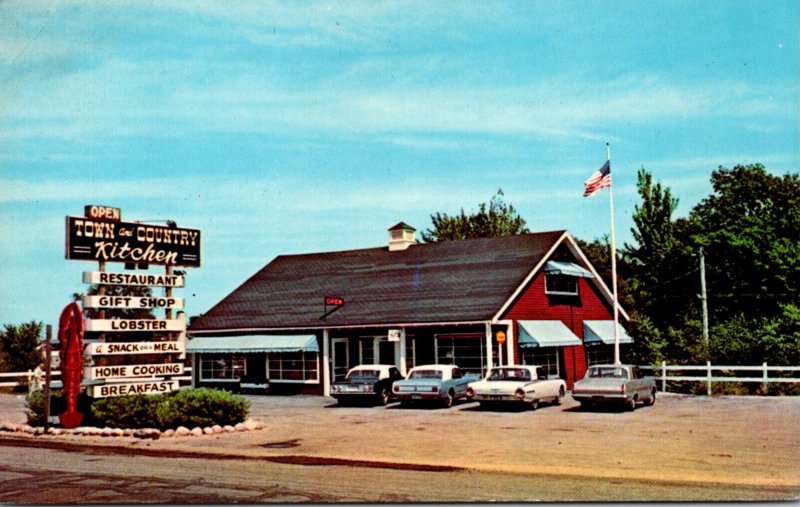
pixel 517 384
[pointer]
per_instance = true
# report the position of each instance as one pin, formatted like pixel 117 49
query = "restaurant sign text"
pixel 89 239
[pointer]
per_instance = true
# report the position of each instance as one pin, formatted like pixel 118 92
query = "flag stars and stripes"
pixel 600 179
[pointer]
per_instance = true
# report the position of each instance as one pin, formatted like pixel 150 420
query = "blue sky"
pixel 296 127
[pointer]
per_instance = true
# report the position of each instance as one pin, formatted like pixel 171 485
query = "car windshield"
pixel 426 374
pixel 510 374
pixel 363 374
pixel 607 372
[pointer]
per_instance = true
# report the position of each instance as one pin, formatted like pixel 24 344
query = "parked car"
pixel 444 383
pixel 517 384
pixel 367 383
pixel 615 383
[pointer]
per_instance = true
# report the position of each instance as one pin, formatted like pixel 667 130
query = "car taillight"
pixel 435 389
pixel 519 393
pixel 622 389
pixel 396 389
pixel 470 392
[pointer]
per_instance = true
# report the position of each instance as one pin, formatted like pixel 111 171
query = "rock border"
pixel 143 433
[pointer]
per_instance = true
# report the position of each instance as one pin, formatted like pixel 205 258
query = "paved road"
pixel 47 476
pixel 683 448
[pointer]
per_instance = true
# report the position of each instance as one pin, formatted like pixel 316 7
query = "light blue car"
pixel 443 383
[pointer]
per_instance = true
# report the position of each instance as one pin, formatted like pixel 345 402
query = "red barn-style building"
pixel 303 320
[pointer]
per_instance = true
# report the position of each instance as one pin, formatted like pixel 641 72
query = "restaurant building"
pixel 303 320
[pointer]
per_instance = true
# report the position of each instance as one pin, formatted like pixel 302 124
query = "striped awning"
pixel 596 332
pixel 566 268
pixel 545 333
pixel 253 343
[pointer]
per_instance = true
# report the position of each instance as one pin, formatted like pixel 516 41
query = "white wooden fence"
pixel 709 377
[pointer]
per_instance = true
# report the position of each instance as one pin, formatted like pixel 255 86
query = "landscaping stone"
pixel 197 431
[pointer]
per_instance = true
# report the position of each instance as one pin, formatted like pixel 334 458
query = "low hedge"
pixel 187 407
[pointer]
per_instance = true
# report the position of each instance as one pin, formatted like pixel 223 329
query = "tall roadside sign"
pixel 118 366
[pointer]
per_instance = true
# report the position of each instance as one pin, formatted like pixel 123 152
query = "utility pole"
pixel 704 299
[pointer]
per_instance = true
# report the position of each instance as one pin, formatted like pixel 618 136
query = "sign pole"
pixel 168 293
pixel 47 349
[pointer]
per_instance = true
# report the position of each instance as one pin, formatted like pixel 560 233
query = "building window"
pixel 366 350
pixel 293 367
pixel 546 357
pixel 222 367
pixel 410 355
pixel 599 354
pixel 561 285
pixel 467 350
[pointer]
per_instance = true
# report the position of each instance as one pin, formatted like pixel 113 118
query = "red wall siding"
pixel 533 304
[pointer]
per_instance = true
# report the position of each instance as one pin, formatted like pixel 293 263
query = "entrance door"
pixel 340 358
pixel 386 352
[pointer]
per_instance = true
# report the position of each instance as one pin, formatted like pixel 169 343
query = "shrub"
pixel 189 407
pixel 135 411
pixel 202 407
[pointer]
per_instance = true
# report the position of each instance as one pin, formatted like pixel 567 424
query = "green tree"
pixel 750 228
pixel 660 264
pixel 19 347
pixel 492 220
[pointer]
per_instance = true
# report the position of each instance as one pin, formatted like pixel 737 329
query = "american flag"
pixel 600 179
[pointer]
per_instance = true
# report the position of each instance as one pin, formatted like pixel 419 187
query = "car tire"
pixel 632 404
pixel 447 401
pixel 557 399
pixel 534 404
pixel 383 397
pixel 652 399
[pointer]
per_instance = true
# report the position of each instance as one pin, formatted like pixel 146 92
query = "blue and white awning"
pixel 566 268
pixel 596 332
pixel 252 343
pixel 545 333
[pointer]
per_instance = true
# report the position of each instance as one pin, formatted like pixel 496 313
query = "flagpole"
pixel 613 262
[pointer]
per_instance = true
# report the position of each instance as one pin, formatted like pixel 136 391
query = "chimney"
pixel 401 236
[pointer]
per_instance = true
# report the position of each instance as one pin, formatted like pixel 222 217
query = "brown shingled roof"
pixel 452 281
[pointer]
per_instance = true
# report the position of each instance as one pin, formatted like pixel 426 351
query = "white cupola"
pixel 401 236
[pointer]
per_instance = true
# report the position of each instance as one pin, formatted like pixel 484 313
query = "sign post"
pixel 101 236
pixel 501 339
pixel 47 350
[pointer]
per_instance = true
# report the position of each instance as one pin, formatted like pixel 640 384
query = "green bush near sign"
pixel 202 407
pixel 187 407
pixel 137 411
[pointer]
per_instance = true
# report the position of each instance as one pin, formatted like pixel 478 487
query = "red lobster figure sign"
pixel 70 334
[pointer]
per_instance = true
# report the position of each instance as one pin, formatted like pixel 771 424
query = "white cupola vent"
pixel 401 236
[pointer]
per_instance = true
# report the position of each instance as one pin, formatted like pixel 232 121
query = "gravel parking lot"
pixel 736 442
pixel 733 440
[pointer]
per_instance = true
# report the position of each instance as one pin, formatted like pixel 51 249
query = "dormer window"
pixel 560 285
pixel 561 278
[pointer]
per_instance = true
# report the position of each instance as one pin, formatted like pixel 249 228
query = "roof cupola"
pixel 401 236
